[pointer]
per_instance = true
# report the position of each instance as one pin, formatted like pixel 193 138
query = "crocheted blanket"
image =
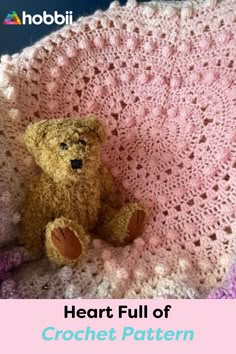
pixel 162 78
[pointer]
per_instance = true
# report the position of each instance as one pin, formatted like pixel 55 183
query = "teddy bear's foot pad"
pixel 136 225
pixel 66 242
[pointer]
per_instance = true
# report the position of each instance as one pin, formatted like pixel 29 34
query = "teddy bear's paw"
pixel 66 242
pixel 136 225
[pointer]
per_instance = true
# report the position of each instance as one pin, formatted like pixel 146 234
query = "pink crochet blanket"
pixel 162 78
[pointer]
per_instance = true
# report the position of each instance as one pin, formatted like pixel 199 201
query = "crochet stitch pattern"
pixel 162 78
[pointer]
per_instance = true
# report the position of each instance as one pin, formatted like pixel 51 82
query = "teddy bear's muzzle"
pixel 76 164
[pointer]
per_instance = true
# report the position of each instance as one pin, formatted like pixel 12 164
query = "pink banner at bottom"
pixel 105 326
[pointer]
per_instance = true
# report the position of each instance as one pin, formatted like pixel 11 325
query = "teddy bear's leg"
pixel 66 242
pixel 122 226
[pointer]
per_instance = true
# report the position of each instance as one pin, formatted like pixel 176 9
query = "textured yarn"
pixel 228 289
pixel 162 78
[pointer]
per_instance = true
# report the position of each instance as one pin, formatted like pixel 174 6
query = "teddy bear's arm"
pixel 35 216
pixel 109 192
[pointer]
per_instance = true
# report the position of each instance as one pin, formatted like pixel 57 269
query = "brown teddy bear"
pixel 74 197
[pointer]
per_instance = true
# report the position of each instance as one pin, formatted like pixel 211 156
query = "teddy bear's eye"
pixel 64 146
pixel 82 142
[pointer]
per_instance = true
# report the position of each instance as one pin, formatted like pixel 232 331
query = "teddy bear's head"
pixel 66 149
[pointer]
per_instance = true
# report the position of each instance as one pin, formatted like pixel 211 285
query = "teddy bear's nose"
pixel 76 164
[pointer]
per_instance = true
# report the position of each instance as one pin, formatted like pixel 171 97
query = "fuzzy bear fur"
pixel 62 202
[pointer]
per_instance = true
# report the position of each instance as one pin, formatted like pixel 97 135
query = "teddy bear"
pixel 74 198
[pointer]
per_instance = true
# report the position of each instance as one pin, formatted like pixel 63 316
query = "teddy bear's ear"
pixel 34 134
pixel 94 125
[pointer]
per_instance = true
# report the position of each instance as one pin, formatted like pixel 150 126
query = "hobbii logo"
pixel 37 19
